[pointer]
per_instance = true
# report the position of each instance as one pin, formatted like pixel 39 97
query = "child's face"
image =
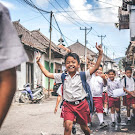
pixel 111 76
pixel 72 65
pixel 128 73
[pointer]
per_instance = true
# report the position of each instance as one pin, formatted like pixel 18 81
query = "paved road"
pixel 32 119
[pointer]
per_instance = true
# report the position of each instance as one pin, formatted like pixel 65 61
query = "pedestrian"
pixel 134 76
pixel 129 101
pixel 60 96
pixel 97 82
pixel 12 54
pixel 105 97
pixel 74 94
pixel 114 102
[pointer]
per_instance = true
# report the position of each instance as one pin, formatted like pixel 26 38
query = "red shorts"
pixel 128 100
pixel 114 102
pixel 105 97
pixel 81 112
pixel 98 104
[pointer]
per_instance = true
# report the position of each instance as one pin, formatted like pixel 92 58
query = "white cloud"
pixel 41 2
pixel 7 4
pixel 104 15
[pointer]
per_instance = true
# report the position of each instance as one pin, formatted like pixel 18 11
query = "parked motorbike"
pixel 34 95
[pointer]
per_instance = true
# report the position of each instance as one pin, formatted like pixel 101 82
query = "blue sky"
pixel 101 19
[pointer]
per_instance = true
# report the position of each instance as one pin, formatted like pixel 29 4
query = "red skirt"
pixel 81 112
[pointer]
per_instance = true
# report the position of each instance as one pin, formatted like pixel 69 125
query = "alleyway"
pixel 34 119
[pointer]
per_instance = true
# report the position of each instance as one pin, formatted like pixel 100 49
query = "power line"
pixel 60 29
pixel 64 15
pixel 30 3
pixel 93 9
pixel 68 13
pixel 48 20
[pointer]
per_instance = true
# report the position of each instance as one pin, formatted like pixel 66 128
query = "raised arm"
pixel 99 48
pixel 44 71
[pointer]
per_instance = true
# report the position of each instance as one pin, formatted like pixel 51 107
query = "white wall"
pixel 21 77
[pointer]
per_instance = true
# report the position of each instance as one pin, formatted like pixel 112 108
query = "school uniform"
pixel 130 86
pixel 96 85
pixel 12 52
pixel 75 104
pixel 105 94
pixel 112 85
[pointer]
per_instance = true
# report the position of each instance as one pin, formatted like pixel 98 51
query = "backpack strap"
pixel 87 90
pixel 63 76
pixel 125 82
pixel 83 79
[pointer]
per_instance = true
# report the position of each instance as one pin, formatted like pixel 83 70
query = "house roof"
pixel 35 39
pixel 37 34
pixel 78 44
pixel 27 37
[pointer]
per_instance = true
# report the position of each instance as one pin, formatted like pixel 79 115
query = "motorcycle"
pixel 34 95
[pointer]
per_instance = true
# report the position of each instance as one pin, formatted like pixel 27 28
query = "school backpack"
pixel 86 87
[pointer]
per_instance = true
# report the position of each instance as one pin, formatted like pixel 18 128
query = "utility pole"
pixel 50 52
pixel 102 37
pixel 85 54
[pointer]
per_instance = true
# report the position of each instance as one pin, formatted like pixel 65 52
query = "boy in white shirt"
pixel 96 84
pixel 128 100
pixel 114 103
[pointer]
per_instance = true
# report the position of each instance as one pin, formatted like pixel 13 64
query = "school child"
pixel 105 97
pixel 128 100
pixel 12 54
pixel 74 94
pixel 97 83
pixel 60 94
pixel 114 102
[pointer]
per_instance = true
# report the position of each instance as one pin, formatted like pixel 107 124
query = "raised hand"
pixel 38 57
pixel 99 48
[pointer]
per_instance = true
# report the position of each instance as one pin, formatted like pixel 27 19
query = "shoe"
pixel 119 119
pixel 128 122
pixel 90 124
pixel 105 114
pixel 113 124
pixel 73 130
pixel 103 125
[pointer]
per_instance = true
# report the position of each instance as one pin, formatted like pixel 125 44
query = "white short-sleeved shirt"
pixel 96 86
pixel 112 85
pixel 73 89
pixel 59 91
pixel 12 52
pixel 130 84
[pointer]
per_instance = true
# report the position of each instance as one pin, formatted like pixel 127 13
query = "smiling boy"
pixel 74 95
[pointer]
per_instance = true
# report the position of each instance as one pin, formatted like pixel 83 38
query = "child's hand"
pixel 38 57
pixel 99 48
pixel 55 110
pixel 132 93
pixel 103 76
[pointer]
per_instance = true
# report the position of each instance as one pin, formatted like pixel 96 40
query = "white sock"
pixel 129 118
pixel 100 117
pixel 105 110
pixel 113 117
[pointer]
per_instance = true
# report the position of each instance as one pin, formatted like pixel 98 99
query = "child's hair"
pixel 111 70
pixel 134 74
pixel 74 55
pixel 128 68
